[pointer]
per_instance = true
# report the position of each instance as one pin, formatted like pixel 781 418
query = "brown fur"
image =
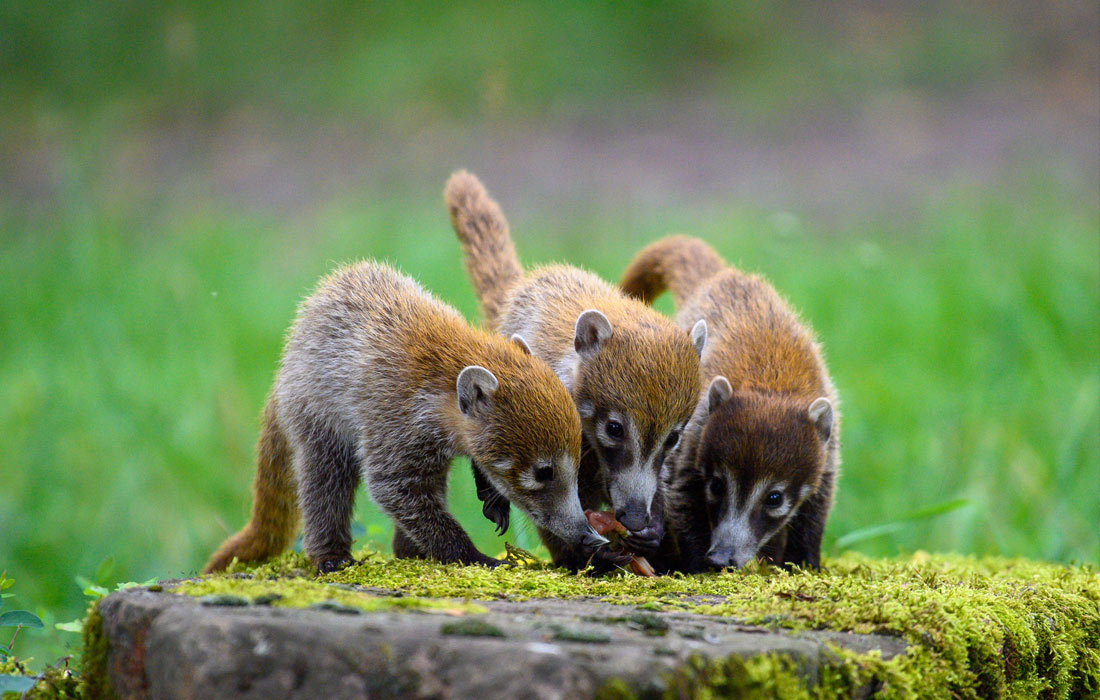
pixel 762 433
pixel 644 374
pixel 490 257
pixel 676 264
pixel 274 502
pixel 367 387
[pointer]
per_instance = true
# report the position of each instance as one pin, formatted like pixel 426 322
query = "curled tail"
pixel 491 260
pixel 677 263
pixel 274 502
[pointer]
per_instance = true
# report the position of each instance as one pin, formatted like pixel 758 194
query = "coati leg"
pixel 403 547
pixel 328 474
pixel 693 530
pixel 773 549
pixel 416 498
pixel 805 529
pixel 494 506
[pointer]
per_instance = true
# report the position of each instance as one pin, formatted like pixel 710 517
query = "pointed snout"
pixel 723 558
pixel 634 516
pixel 720 558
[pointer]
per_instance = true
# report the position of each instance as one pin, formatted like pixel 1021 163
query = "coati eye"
pixel 544 474
pixel 774 499
pixel 716 487
pixel 672 439
pixel 615 429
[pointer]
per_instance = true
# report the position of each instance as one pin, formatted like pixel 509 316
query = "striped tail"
pixel 274 519
pixel 490 257
pixel 678 264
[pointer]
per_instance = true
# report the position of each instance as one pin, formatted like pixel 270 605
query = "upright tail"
pixel 677 263
pixel 274 502
pixel 491 260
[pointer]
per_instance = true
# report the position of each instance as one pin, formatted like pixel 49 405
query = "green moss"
pixel 93 660
pixel 975 628
pixel 569 634
pixel 471 628
pixel 306 592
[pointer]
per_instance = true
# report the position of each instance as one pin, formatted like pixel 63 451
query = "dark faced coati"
pixel 381 381
pixel 755 471
pixel 632 373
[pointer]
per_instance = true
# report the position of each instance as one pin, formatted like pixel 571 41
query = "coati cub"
pixel 380 380
pixel 633 375
pixel 755 470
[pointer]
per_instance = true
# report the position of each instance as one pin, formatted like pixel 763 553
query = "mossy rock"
pixel 966 627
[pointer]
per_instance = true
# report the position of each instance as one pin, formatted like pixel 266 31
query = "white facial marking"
pixel 527 478
pixel 783 509
pixel 608 441
pixel 734 531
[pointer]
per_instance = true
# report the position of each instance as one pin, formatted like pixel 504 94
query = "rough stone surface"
pixel 169 646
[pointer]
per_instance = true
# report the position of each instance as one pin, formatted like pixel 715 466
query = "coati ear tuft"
pixel 476 386
pixel 719 391
pixel 518 340
pixel 592 330
pixel 699 336
pixel 821 415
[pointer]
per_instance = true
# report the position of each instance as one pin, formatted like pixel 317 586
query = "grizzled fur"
pixel 765 423
pixel 633 375
pixel 382 382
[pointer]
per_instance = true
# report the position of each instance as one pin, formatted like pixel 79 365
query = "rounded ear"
pixel 475 390
pixel 592 330
pixel 699 336
pixel 821 415
pixel 718 391
pixel 518 340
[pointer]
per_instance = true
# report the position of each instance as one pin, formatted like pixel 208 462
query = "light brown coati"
pixel 755 470
pixel 633 375
pixel 379 380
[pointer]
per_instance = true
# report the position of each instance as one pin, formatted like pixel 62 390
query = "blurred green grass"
pixel 138 339
pixel 420 61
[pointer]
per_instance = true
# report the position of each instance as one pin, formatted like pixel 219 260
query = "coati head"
pixel 760 456
pixel 635 388
pixel 522 429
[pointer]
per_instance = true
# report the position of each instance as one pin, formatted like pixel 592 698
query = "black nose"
pixel 633 519
pixel 720 559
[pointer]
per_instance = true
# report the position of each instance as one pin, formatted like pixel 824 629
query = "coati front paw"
pixel 494 506
pixel 327 566
pixel 497 510
pixel 647 541
pixel 483 560
pixel 606 559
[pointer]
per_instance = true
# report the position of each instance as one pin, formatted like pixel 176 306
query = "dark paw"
pixel 327 566
pixel 494 506
pixel 498 511
pixel 606 559
pixel 647 541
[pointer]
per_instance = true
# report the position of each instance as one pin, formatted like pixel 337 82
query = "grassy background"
pixel 140 332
